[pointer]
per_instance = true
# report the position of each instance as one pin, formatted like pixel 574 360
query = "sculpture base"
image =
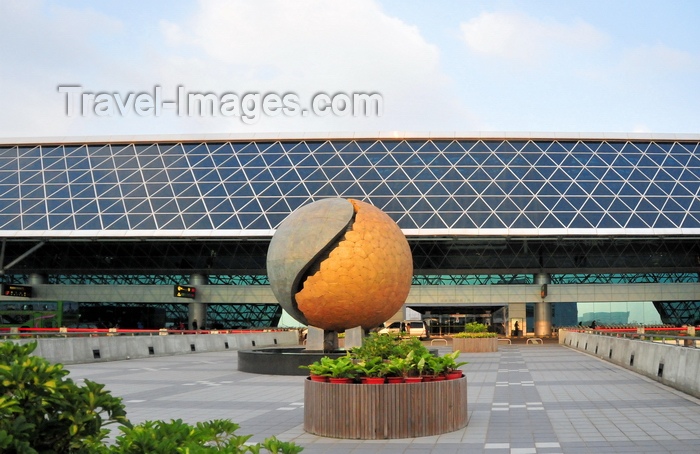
pixel 281 361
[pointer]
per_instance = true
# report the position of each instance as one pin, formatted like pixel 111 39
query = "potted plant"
pixel 319 370
pixel 342 370
pixel 416 365
pixel 371 371
pixel 396 369
pixel 434 367
pixel 452 371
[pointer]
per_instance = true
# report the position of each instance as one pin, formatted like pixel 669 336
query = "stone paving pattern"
pixel 524 399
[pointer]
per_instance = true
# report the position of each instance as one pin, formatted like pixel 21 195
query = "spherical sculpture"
pixel 336 264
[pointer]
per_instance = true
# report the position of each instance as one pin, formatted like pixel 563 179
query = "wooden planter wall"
pixel 478 345
pixel 369 412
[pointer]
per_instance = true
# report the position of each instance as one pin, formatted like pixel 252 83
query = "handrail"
pixel 648 335
pixel 98 332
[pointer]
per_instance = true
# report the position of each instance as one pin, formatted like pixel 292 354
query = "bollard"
pixel 691 333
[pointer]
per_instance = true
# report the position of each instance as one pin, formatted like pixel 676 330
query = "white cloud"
pixel 311 46
pixel 277 46
pixel 524 39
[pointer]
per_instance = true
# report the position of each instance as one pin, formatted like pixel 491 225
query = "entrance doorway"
pixel 445 320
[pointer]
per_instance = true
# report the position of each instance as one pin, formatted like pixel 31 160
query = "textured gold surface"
pixel 364 280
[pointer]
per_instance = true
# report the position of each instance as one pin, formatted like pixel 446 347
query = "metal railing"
pixel 670 335
pixel 38 333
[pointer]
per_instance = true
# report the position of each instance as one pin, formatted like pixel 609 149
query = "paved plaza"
pixel 525 399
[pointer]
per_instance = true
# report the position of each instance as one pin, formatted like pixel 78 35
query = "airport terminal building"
pixel 543 230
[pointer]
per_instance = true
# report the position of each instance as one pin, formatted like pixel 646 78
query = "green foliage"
pixel 474 335
pixel 204 437
pixel 417 362
pixel 397 367
pixel 42 411
pixel 376 345
pixel 322 367
pixel 45 412
pixel 475 327
pixel 475 330
pixel 372 367
pixel 434 365
pixel 450 361
pixel 386 355
pixel 343 367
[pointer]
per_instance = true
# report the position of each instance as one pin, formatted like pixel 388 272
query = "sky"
pixel 83 68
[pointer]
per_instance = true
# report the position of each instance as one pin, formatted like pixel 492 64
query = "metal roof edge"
pixel 378 135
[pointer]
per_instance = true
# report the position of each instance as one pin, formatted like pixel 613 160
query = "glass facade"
pixel 475 211
pixel 440 186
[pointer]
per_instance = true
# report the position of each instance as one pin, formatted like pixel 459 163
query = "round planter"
pixel 384 412
pixel 454 375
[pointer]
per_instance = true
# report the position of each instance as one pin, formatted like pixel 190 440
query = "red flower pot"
pixel 413 379
pixel 374 380
pixel 340 380
pixel 454 375
pixel 393 380
pixel 319 378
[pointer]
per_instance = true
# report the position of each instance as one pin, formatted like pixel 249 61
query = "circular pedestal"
pixel 369 412
pixel 281 361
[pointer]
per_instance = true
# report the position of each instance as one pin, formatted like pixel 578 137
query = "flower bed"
pixel 475 339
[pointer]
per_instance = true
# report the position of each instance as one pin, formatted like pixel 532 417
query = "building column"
pixel 197 312
pixel 37 279
pixel 543 309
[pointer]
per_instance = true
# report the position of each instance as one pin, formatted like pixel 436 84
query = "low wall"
pixel 674 366
pixel 75 350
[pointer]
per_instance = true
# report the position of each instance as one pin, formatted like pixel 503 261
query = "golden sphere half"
pixel 361 277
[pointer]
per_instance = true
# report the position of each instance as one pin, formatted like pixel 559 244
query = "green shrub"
pixel 179 437
pixel 475 330
pixel 474 335
pixel 475 327
pixel 42 411
pixel 379 355
pixel 376 345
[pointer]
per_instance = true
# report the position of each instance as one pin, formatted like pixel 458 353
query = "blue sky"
pixel 516 66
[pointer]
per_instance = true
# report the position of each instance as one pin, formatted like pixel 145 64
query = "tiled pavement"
pixel 525 399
